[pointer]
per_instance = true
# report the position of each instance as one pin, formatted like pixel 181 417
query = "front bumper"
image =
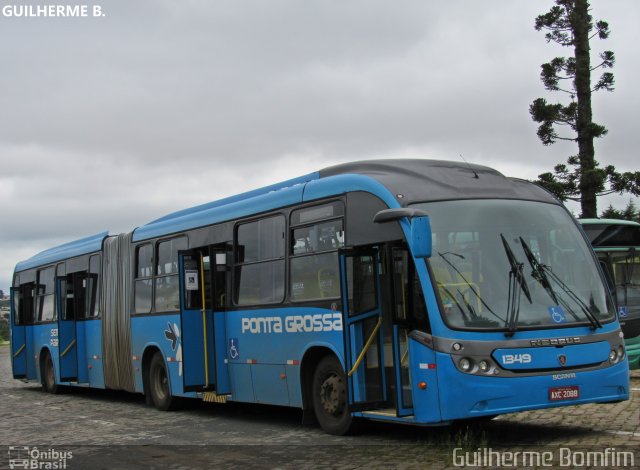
pixel 467 396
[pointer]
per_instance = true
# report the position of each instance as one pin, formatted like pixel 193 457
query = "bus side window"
pixel 259 271
pixel 68 310
pixel 143 283
pixel 316 235
pixel 192 285
pixel 80 294
pixel 361 284
pixel 410 307
pixel 44 295
pixel 167 294
pixel 18 313
pixel 92 295
pixel 27 292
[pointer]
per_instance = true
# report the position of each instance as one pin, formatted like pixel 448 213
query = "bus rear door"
pixel 202 275
pixel 70 303
pixel 18 335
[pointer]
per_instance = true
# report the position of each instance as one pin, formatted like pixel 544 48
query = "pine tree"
pixel 630 212
pixel 611 213
pixel 570 24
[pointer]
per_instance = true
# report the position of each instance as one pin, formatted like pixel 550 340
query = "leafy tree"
pixel 4 330
pixel 569 24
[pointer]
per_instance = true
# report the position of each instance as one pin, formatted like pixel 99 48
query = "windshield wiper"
pixel 595 323
pixel 515 279
pixel 538 272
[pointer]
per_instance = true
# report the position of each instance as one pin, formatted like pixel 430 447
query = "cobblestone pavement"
pixel 117 430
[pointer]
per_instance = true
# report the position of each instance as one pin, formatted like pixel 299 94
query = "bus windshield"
pixel 510 264
pixel 624 269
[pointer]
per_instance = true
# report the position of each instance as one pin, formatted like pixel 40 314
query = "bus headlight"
pixel 483 366
pixel 465 364
pixel 620 352
pixel 613 355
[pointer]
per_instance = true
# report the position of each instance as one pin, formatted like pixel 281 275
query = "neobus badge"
pixel 555 341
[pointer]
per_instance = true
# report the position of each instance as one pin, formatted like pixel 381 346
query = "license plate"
pixel 571 392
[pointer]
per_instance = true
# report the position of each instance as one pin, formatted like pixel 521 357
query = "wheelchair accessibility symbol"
pixel 557 314
pixel 234 348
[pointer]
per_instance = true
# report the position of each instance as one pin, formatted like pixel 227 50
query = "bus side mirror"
pixel 421 243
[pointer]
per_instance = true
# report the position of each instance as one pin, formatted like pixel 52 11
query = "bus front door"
pixel 202 321
pixel 407 305
pixel 67 297
pixel 377 293
pixel 363 335
pixel 18 336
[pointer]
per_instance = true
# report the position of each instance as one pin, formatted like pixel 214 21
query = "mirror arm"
pixel 390 215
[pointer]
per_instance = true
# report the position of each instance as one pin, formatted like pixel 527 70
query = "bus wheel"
pixel 330 397
pixel 159 384
pixel 48 375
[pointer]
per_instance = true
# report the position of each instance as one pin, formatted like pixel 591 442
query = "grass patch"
pixel 464 436
pixel 439 443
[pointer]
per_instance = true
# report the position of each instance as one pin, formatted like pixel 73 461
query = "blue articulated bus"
pixel 413 291
pixel 617 245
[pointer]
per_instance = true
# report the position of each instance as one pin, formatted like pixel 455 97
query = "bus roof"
pixel 608 222
pixel 72 249
pixel 398 182
pixel 420 180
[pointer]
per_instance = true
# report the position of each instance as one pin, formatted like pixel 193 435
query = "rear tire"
pixel 329 390
pixel 48 375
pixel 159 388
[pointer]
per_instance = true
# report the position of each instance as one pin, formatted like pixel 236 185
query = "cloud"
pixel 110 122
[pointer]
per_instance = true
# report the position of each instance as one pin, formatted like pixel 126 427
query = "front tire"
pixel 330 397
pixel 159 388
pixel 48 375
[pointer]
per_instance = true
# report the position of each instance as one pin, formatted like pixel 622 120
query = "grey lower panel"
pixel 115 307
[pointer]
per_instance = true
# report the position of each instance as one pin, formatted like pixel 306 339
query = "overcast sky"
pixel 107 123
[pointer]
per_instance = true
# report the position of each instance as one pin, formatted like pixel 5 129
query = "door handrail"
pixel 204 323
pixel 19 350
pixel 68 348
pixel 366 348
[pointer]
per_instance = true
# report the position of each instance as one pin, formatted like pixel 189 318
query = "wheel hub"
pixel 161 383
pixel 332 395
